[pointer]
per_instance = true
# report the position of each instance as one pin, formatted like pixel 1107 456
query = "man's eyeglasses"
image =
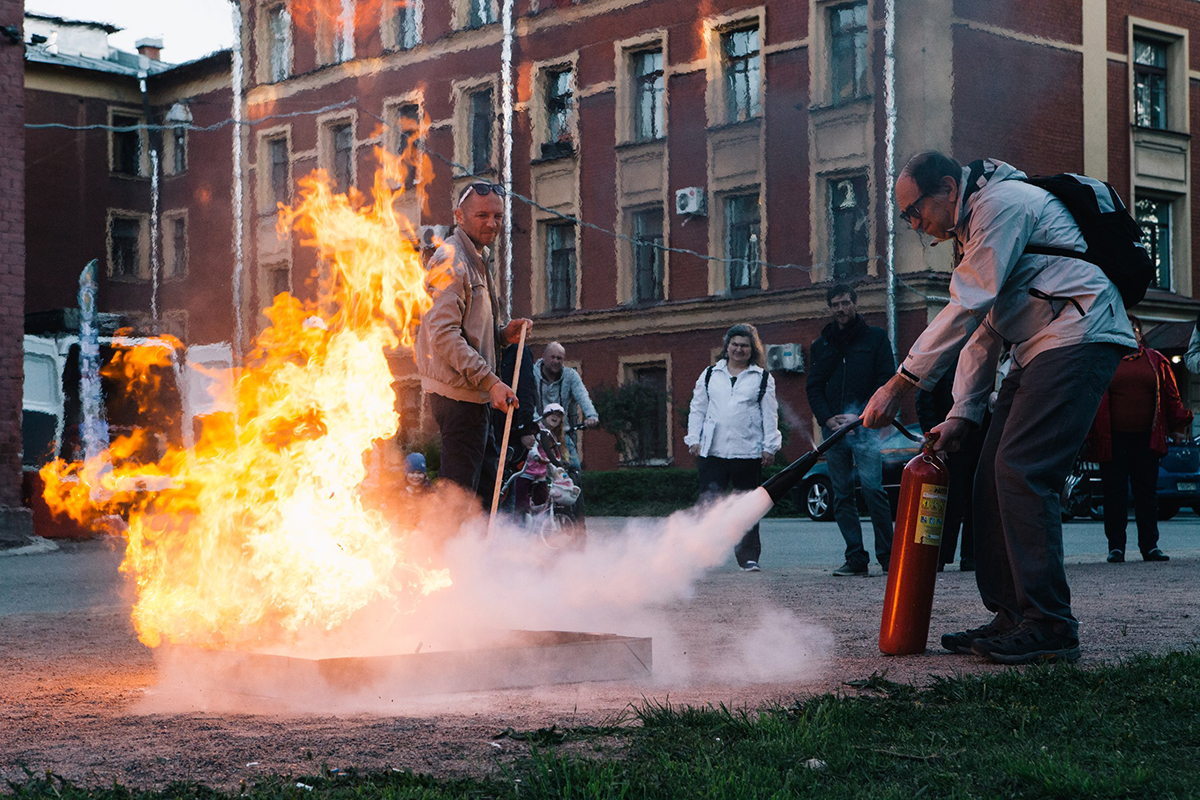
pixel 482 189
pixel 912 212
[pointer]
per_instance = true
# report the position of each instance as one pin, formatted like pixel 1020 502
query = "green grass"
pixel 1126 731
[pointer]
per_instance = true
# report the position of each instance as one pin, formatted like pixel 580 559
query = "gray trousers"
pixel 1042 417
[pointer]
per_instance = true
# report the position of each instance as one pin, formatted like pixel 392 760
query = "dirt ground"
pixel 77 689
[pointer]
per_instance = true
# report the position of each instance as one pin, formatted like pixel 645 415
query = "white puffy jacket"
pixel 726 419
pixel 1001 296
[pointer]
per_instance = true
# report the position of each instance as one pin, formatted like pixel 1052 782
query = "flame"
pixel 260 530
pixel 309 15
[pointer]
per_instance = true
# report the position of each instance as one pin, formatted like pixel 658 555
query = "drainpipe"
pixel 889 166
pixel 238 179
pixel 506 123
pixel 154 139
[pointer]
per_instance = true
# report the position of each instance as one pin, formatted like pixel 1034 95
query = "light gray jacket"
pixel 1192 359
pixel 1000 296
pixel 568 391
pixel 456 343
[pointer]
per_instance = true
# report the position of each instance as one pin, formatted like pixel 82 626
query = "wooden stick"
pixel 507 429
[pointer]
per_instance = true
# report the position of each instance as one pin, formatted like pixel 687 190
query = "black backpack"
pixel 762 387
pixel 1114 239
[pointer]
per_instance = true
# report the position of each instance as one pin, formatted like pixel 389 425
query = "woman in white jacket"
pixel 733 427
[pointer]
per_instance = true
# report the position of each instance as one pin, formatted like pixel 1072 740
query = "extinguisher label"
pixel 932 514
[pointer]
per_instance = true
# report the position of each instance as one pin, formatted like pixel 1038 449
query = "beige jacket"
pixel 456 343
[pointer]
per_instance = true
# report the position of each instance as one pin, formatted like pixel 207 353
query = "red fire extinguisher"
pixel 916 545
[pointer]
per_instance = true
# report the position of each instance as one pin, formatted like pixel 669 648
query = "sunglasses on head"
pixel 482 189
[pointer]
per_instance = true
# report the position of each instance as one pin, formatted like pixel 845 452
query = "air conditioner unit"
pixel 432 236
pixel 691 201
pixel 785 358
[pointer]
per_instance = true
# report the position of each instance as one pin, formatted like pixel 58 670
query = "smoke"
pixel 634 582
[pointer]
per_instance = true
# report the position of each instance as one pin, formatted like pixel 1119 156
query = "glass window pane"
pixel 178 264
pixel 279 27
pixel 482 128
pixel 560 265
pixel 1154 217
pixel 742 64
pixel 648 255
pixel 849 226
pixel 848 52
pixel 281 191
pixel 742 242
pixel 343 158
pixel 648 95
pixel 123 242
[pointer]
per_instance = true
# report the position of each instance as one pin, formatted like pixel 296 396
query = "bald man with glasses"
pixel 459 341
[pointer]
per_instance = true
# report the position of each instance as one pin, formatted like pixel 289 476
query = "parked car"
pixel 1178 484
pixel 816 490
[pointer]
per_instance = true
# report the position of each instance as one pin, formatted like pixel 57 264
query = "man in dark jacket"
pixel 849 362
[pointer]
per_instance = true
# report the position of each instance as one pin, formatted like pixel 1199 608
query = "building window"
pixel 1154 216
pixel 742 63
pixel 848 51
pixel 178 149
pixel 125 247
pixel 342 156
pixel 279 48
pixel 652 435
pixel 127 145
pixel 648 255
pixel 175 245
pixel 343 33
pixel 560 266
pixel 849 226
pixel 407 122
pixel 480 13
pixel 648 95
pixel 560 107
pixel 408 25
pixel 743 225
pixel 280 176
pixel 279 280
pixel 483 123
pixel 1149 83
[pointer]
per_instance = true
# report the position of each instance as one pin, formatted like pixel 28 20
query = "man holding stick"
pixel 458 342
pixel 1066 325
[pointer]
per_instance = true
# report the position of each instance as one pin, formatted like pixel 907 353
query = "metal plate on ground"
pixel 520 659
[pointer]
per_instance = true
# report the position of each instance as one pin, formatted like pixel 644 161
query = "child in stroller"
pixel 543 493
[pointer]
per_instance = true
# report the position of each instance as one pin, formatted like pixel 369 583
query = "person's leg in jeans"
pixel 746 475
pixel 713 474
pixel 845 510
pixel 1049 417
pixel 1143 479
pixel 993 572
pixel 1114 482
pixel 869 460
pixel 464 431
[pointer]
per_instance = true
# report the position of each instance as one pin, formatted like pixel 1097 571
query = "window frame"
pixel 628 367
pixel 1162 76
pixel 638 250
pixel 278 66
pixel 755 274
pixel 474 19
pixel 860 47
pixel 638 92
pixel 857 266
pixel 116 119
pixel 732 110
pixel 171 254
pixel 1152 240
pixel 401 18
pixel 559 138
pixel 474 129
pixel 142 221
pixel 329 151
pixel 551 229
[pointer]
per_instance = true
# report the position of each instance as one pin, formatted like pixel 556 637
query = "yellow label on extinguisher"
pixel 931 514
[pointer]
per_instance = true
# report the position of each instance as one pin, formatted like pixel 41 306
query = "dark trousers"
pixel 464 430
pixel 1134 466
pixel 717 475
pixel 962 465
pixel 1042 416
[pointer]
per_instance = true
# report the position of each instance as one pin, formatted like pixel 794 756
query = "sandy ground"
pixel 78 692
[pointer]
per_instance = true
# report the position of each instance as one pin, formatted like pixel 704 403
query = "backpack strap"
pixel 762 387
pixel 707 378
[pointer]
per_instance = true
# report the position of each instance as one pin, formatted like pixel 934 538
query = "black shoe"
pixel 1155 555
pixel 850 569
pixel 750 566
pixel 1027 643
pixel 967 565
pixel 961 641
pixel 1116 556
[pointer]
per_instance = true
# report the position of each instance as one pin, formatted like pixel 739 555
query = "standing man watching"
pixel 457 344
pixel 850 361
pixel 1066 323
pixel 560 384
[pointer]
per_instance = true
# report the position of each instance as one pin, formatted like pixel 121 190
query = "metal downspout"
pixel 889 167
pixel 506 122
pixel 238 250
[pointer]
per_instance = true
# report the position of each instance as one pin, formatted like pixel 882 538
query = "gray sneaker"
pixel 750 566
pixel 850 569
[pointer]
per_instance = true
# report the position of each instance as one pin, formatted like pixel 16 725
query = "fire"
pixel 260 530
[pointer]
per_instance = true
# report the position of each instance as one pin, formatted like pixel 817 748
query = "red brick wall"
pixel 12 255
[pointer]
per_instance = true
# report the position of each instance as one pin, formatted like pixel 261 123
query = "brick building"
pixel 647 135
pixel 16 523
pixel 774 113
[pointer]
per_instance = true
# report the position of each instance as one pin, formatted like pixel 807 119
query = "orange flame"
pixel 260 531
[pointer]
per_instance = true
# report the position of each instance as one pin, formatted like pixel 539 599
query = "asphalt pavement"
pixel 79 575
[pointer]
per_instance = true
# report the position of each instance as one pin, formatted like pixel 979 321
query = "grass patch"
pixel 1126 731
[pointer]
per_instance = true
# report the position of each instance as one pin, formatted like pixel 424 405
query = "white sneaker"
pixel 750 566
